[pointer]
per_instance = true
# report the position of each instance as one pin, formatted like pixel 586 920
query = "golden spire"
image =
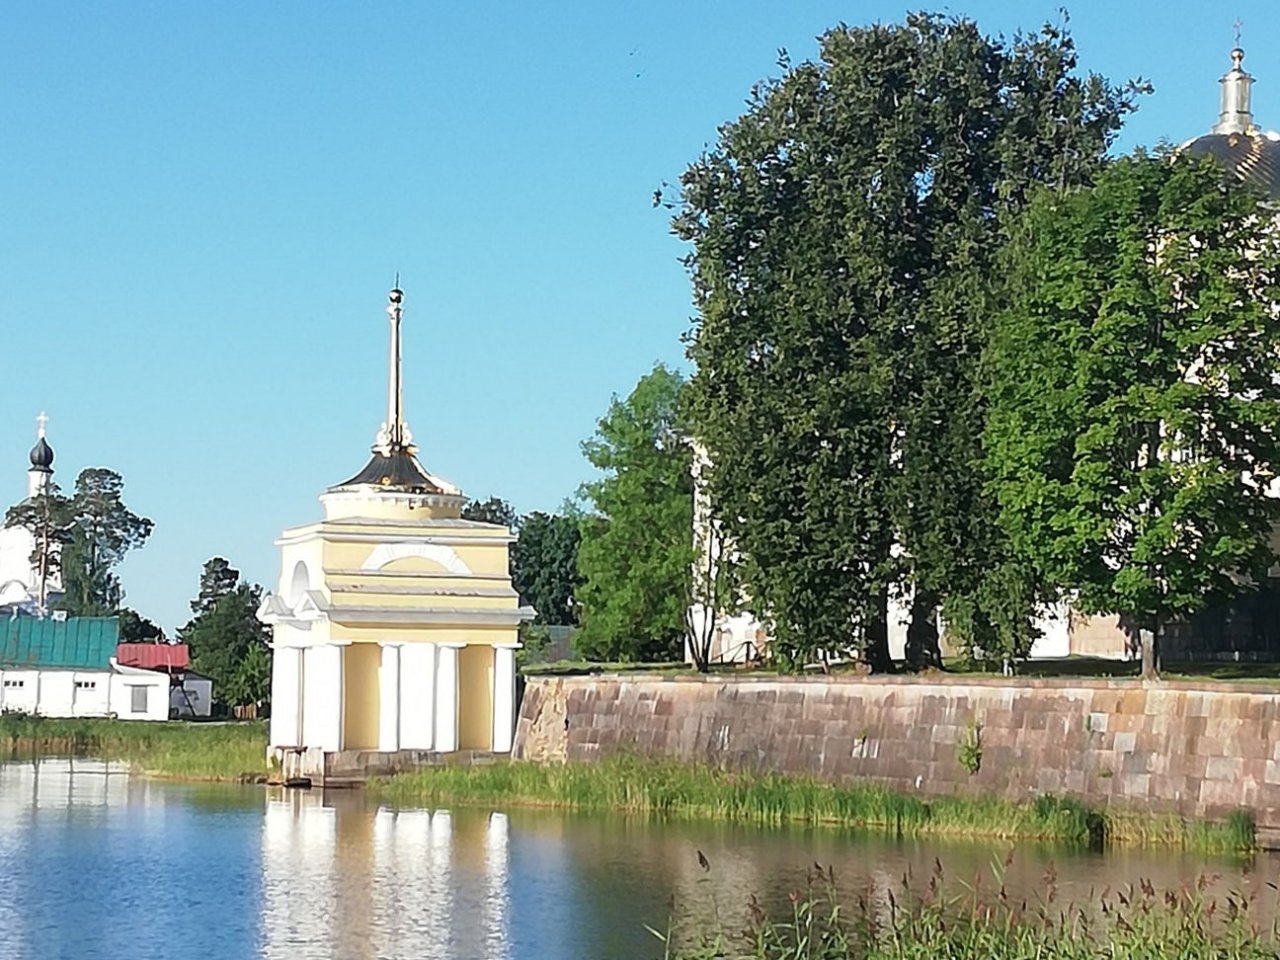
pixel 395 434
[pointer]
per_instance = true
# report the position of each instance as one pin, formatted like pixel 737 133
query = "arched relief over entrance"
pixel 438 553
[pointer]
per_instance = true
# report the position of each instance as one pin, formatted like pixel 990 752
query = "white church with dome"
pixel 22 588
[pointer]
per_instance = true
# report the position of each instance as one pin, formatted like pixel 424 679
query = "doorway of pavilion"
pixel 361 696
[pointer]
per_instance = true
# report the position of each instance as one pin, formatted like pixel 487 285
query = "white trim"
pixel 417 575
pixel 452 523
pixel 501 593
pixel 370 492
pixel 389 552
pixel 336 536
pixel 306 643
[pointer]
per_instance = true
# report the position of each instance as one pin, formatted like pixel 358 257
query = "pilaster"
pixel 504 696
pixel 447 697
pixel 389 698
pixel 417 696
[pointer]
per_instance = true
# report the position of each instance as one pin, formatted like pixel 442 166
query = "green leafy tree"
pixel 228 642
pixel 102 531
pixel 1135 408
pixel 844 235
pixel 636 550
pixel 544 565
pixel 48 518
pixel 493 510
pixel 135 628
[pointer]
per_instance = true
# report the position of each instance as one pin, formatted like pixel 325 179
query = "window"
pixel 86 684
pixel 138 699
pixel 14 684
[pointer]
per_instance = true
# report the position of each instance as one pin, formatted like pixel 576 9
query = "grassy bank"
pixel 1137 922
pixel 672 789
pixel 195 751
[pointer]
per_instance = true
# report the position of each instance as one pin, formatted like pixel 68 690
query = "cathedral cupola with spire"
pixel 1236 141
pixel 394 621
pixel 30 582
pixel 41 458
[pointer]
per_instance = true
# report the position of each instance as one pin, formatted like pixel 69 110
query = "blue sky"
pixel 202 207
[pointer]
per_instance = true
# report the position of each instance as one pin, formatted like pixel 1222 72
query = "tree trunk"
pixel 877 636
pixel 923 650
pixel 1150 640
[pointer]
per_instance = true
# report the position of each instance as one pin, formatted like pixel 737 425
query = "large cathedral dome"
pixel 1235 140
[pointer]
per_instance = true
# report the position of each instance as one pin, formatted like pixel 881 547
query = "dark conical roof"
pixel 398 469
pixel 42 456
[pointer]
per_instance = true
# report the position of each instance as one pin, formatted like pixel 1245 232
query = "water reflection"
pixel 342 877
pixel 96 864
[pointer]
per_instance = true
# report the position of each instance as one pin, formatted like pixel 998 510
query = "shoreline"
pixel 235 752
pixel 663 788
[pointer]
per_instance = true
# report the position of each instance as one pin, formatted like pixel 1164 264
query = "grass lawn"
pixel 1084 667
pixel 1102 667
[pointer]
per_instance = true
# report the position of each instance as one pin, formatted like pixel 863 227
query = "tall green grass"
pixel 931 923
pixel 197 751
pixel 674 789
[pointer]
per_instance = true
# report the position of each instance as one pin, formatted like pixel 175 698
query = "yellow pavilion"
pixel 394 621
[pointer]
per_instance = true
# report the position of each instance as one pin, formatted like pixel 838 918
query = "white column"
pixel 322 696
pixel 417 696
pixel 504 697
pixel 286 697
pixel 389 698
pixel 447 698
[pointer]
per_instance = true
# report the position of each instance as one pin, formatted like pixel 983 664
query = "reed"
pixel 901 923
pixel 194 751
pixel 668 788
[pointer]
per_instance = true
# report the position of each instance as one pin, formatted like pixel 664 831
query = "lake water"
pixel 97 864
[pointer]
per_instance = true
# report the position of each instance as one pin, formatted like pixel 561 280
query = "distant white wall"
pixel 85 693
pixel 19 690
pixel 139 694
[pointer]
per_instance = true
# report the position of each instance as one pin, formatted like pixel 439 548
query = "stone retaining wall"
pixel 1202 752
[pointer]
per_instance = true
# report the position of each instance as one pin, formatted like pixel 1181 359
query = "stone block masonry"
pixel 1202 751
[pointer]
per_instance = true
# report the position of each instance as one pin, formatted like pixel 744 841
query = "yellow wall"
pixel 485 558
pixel 418 633
pixel 475 698
pixel 361 700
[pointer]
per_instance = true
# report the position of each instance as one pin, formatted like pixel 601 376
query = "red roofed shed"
pixel 154 656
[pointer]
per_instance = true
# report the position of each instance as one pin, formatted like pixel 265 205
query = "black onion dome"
pixel 1253 158
pixel 397 470
pixel 42 456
